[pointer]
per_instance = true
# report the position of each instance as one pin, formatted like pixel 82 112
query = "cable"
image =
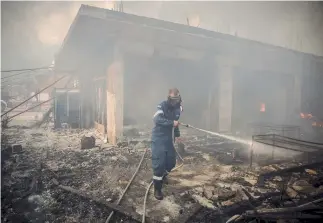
pixel 13 75
pixel 128 185
pixel 29 69
pixel 151 183
pixel 9 118
pixel 33 96
pixel 17 80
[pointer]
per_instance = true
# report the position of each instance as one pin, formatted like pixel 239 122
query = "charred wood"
pixel 287 171
pixel 116 208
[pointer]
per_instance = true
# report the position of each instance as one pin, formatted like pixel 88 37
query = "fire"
pixel 306 115
pixel 317 124
pixel 262 107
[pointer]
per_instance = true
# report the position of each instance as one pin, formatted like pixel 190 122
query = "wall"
pixel 294 25
pixel 147 81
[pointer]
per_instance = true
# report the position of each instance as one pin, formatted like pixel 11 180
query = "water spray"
pixel 237 139
pixel 253 146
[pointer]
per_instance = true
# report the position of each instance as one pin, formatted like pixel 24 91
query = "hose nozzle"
pixel 186 125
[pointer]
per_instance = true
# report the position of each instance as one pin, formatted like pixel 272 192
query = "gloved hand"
pixel 177 133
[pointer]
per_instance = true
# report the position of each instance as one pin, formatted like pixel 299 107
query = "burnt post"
pixel 115 96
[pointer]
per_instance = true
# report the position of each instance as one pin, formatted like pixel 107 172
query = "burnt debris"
pixel 57 176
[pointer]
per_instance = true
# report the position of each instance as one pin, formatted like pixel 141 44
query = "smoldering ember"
pixel 76 137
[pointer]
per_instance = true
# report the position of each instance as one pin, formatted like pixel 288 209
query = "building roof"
pixel 94 26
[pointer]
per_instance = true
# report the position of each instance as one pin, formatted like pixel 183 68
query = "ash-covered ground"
pixel 208 178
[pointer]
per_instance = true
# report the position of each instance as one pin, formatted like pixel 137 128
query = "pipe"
pixel 128 185
pixel 151 183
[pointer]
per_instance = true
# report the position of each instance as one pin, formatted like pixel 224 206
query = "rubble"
pixel 16 148
pixel 204 187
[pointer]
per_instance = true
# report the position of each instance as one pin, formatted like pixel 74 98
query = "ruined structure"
pixel 125 62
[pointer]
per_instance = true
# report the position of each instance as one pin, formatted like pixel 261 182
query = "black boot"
pixel 165 179
pixel 157 190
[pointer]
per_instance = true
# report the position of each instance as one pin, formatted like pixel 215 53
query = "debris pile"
pixel 51 176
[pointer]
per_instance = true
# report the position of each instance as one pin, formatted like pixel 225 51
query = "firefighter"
pixel 163 151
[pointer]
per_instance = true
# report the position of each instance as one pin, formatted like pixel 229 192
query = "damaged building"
pixel 126 63
pixel 117 68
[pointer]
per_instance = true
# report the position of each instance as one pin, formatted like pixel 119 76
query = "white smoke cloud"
pixel 52 29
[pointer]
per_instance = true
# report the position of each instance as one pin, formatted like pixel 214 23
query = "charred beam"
pixel 117 208
pixel 287 171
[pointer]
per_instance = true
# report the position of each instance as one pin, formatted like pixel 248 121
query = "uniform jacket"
pixel 164 120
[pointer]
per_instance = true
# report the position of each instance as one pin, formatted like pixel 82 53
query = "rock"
pixel 16 148
pixel 87 142
pixel 312 172
pixel 278 178
pixel 227 203
pixel 198 190
pixel 303 186
pixel 208 192
pixel 203 201
pixel 224 195
pixel 291 192
pixel 166 219
pixel 250 179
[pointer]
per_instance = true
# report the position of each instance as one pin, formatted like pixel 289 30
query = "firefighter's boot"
pixel 158 190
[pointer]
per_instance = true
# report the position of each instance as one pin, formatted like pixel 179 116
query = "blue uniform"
pixel 163 151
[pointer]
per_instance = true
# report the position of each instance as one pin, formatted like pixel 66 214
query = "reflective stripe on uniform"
pixel 157 178
pixel 158 112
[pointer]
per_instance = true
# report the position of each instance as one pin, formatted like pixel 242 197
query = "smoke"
pixel 32 32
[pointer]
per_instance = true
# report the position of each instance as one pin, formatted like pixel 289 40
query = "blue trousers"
pixel 163 159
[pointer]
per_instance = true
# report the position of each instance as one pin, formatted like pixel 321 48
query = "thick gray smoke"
pixel 33 31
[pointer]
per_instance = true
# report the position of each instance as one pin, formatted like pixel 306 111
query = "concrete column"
pixel 115 98
pixel 213 111
pixel 225 98
pixel 225 67
pixel 87 99
pixel 297 95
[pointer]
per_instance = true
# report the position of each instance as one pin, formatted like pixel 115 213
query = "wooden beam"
pixel 115 98
pixel 99 127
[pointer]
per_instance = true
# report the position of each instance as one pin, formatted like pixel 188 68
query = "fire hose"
pixel 151 183
pixel 179 166
pixel 176 168
pixel 128 185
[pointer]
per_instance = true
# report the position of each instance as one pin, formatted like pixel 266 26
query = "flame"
pixel 317 124
pixel 306 115
pixel 262 107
